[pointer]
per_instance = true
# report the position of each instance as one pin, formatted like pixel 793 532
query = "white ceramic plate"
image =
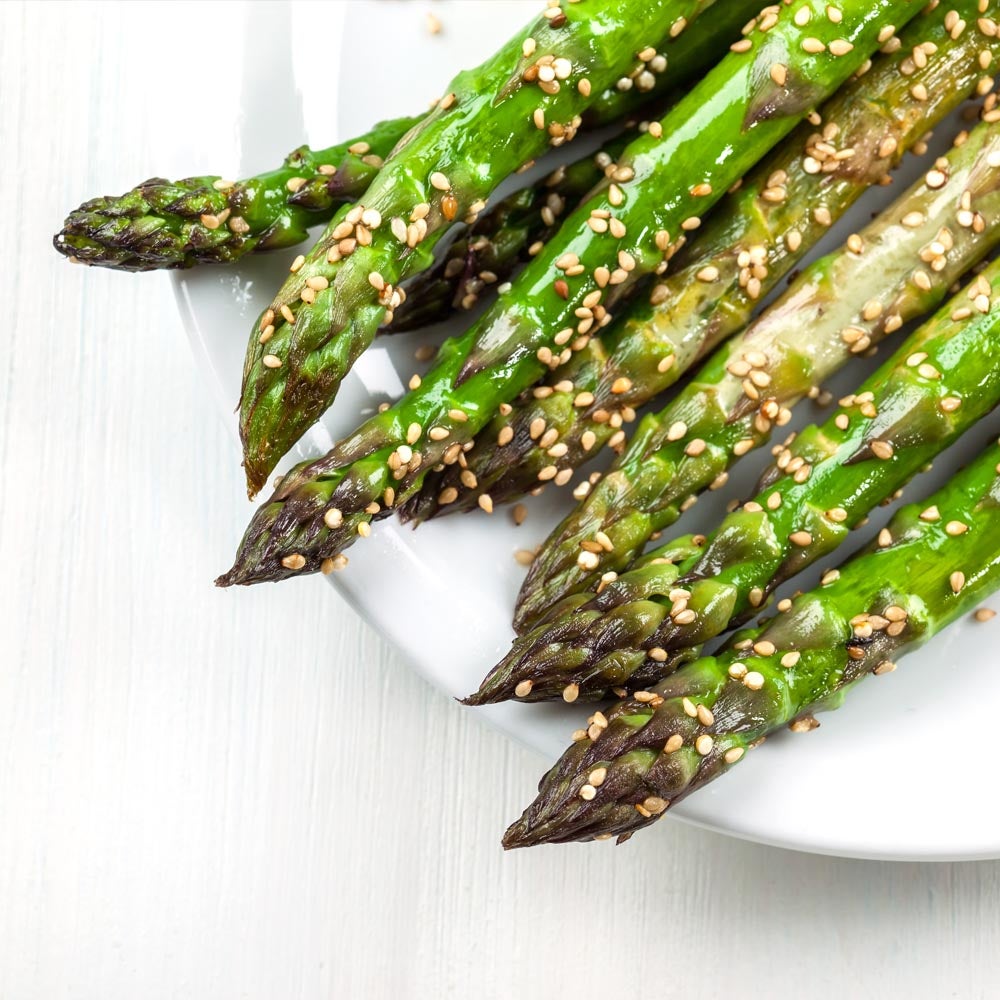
pixel 868 782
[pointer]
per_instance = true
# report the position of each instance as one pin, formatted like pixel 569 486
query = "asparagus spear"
pixel 173 224
pixel 509 234
pixel 536 87
pixel 932 564
pixel 699 149
pixel 894 270
pixel 769 224
pixel 944 377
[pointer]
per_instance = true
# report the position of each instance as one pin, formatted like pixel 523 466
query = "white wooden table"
pixel 202 799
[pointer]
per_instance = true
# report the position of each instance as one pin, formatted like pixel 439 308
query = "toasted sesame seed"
pixel 800 538
pixel 955 528
pixel 764 648
pixel 703 744
pixel 271 361
pixel 587 792
pixel 753 680
pixel 705 716
pixel 884 538
pixel 957 581
pixel 840 47
pixel 881 449
pixel 439 181
pixel 984 614
pixel 812 45
pixel 790 659
pixel 295 561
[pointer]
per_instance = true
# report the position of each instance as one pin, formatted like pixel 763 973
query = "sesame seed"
pixel 779 74
pixel 812 45
pixel 764 648
pixel 881 449
pixel 364 529
pixel 333 518
pixel 955 528
pixel 439 181
pixel 800 538
pixel 691 223
pixel 984 614
pixel 790 659
pixel 957 581
pixel 884 538
pixel 753 680
pixel 294 561
pixel 654 805
pixel 704 744
pixel 840 47
pixel 271 361
pixel 587 792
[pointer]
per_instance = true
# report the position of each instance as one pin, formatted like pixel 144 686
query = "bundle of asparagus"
pixel 609 279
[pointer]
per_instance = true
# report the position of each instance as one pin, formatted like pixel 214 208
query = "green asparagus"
pixel 712 136
pixel 944 377
pixel 933 563
pixel 537 86
pixel 173 224
pixel 893 271
pixel 753 238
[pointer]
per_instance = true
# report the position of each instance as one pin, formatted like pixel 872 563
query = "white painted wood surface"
pixel 210 795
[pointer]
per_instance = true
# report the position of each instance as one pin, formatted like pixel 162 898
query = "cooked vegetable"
pixel 754 237
pixel 171 224
pixel 664 179
pixel 537 86
pixel 825 483
pixel 893 271
pixel 932 564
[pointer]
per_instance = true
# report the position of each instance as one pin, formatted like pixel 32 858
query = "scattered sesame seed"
pixel 957 581
pixel 790 659
pixel 271 361
pixel 984 614
pixel 753 680
pixel 704 744
pixel 439 181
pixel 955 528
pixel 295 561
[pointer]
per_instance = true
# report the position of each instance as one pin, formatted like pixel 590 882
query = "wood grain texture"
pixel 213 795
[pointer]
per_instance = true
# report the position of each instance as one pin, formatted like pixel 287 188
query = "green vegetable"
pixel 941 381
pixel 664 178
pixel 536 89
pixel 171 224
pixel 934 562
pixel 838 307
pixel 706 296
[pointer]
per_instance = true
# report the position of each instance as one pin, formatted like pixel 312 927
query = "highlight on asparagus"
pixel 943 379
pixel 933 563
pixel 624 231
pixel 753 238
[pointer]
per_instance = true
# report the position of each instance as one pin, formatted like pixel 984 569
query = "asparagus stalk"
pixel 942 380
pixel 536 87
pixel 723 126
pixel 931 565
pixel 753 238
pixel 175 224
pixel 894 270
